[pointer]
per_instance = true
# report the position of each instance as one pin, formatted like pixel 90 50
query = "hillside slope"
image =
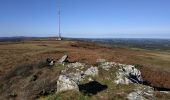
pixel 21 62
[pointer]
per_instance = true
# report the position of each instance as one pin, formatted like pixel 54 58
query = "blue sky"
pixel 86 18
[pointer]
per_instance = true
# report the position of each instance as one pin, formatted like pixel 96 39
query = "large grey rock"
pixel 63 59
pixel 92 71
pixel 128 74
pixel 65 83
pixel 141 93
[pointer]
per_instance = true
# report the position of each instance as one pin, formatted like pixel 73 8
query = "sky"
pixel 86 18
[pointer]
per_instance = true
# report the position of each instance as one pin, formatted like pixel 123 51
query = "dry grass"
pixel 156 78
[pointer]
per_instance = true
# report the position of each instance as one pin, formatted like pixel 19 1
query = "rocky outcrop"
pixel 65 83
pixel 128 74
pixel 75 74
pixel 125 74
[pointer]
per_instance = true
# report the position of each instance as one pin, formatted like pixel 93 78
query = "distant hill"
pixel 15 39
pixel 22 38
pixel 150 44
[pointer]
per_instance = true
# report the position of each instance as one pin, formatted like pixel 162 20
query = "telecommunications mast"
pixel 59 22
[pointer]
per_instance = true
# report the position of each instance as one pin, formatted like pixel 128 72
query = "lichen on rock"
pixel 92 71
pixel 65 83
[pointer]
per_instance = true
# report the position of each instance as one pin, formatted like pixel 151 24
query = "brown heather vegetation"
pixel 156 78
pixel 21 61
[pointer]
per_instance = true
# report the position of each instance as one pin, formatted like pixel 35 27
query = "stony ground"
pixel 24 74
pixel 105 81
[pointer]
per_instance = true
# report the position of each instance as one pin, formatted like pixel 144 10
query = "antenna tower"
pixel 59 21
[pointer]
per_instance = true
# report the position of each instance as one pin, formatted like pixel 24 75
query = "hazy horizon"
pixel 86 18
